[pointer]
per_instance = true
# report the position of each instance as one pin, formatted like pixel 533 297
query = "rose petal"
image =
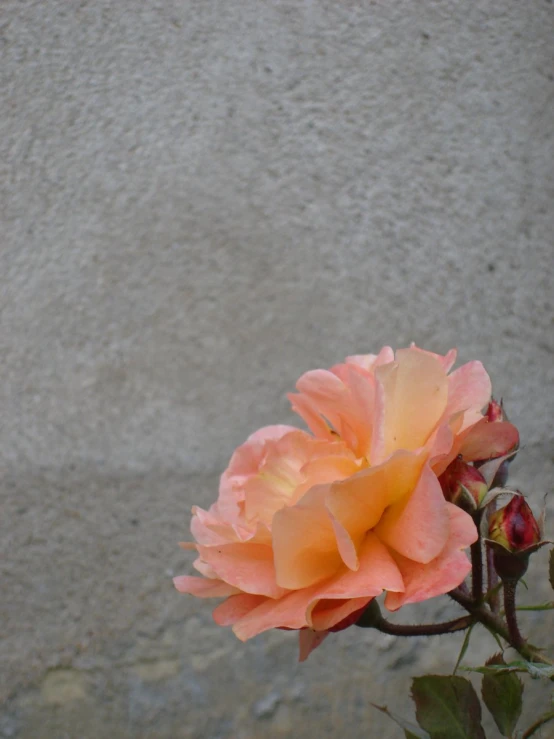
pixel 202 587
pixel 410 399
pixel 487 440
pixel 469 389
pixel 418 528
pixel 356 504
pixel 327 613
pixel 308 640
pixel 246 566
pixel 377 571
pixel 304 543
pixel 445 572
pixel 236 607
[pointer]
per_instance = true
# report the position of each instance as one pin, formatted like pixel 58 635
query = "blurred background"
pixel 200 200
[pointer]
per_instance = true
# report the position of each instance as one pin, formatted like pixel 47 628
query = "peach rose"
pixel 309 528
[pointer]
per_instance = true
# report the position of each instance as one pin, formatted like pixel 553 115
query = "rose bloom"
pixel 308 528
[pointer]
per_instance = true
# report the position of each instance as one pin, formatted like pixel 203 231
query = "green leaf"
pixel 411 730
pixel 502 694
pixel 551 568
pixel 463 650
pixel 539 607
pixel 447 707
pixel 535 669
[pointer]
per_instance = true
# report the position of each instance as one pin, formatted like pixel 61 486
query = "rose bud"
pixel 514 534
pixel 463 484
pixel 514 527
pixel 495 411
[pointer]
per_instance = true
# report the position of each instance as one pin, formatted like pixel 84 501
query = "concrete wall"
pixel 199 201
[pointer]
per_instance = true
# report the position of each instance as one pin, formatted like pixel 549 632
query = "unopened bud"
pixel 463 484
pixel 514 535
pixel 495 411
pixel 514 527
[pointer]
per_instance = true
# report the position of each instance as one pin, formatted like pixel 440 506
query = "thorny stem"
pixel 447 627
pixel 477 563
pixel 493 622
pixel 516 639
pixel 492 575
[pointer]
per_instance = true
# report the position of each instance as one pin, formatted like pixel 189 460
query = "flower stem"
pixel 494 623
pixel 477 562
pixel 492 575
pixel 516 639
pixel 372 618
pixel 447 627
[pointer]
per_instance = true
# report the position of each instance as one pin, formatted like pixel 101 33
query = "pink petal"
pixel 442 574
pixel 469 389
pixel 370 361
pixel 210 530
pixel 418 528
pixel 330 612
pixel 202 587
pixel 246 566
pixel 343 398
pixel 487 440
pixel 245 462
pixel 308 411
pixel 308 640
pixel 377 571
pixel 236 607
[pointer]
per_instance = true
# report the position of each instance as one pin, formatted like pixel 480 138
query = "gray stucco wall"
pixel 199 201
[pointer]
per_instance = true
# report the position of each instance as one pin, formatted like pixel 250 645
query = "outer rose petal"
pixel 370 361
pixel 487 440
pixel 246 566
pixel 235 607
pixel 418 528
pixel 447 571
pixel 328 612
pixel 308 640
pixel 377 571
pixel 469 389
pixel 202 587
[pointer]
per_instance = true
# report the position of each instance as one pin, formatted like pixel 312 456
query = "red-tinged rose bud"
pixel 495 411
pixel 463 484
pixel 514 527
pixel 514 535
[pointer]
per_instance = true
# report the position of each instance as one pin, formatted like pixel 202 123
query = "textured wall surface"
pixel 199 201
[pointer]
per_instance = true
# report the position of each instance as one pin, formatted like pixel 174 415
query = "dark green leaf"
pixel 411 730
pixel 502 696
pixel 463 650
pixel 447 707
pixel 551 568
